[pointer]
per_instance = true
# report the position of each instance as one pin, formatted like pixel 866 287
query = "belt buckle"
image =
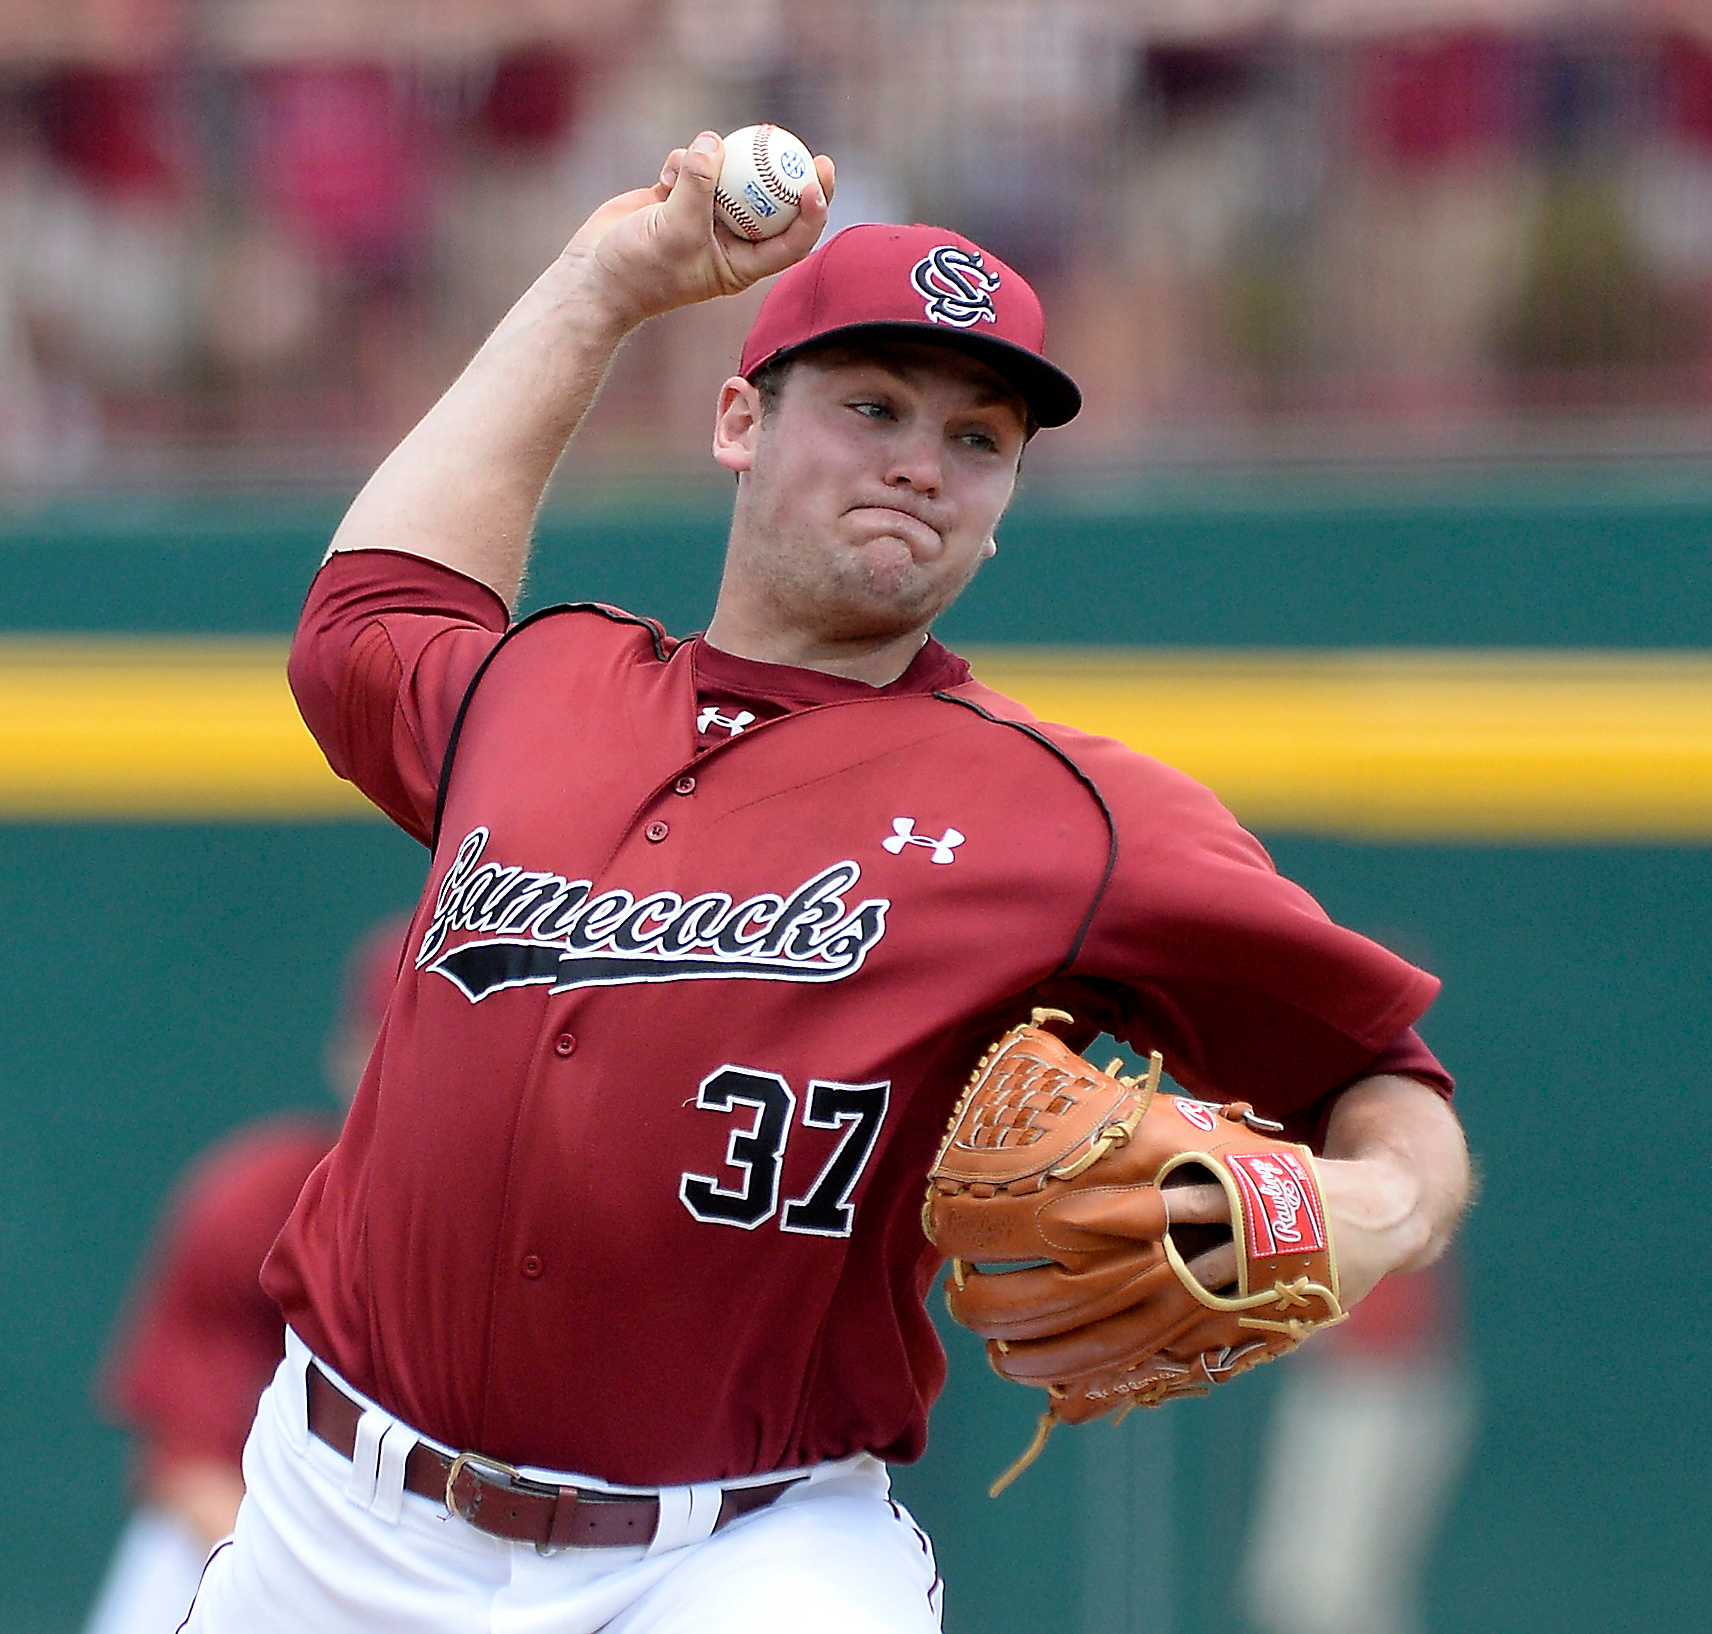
pixel 494 1472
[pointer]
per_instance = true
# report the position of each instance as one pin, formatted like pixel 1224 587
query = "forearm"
pixel 1396 1174
pixel 464 486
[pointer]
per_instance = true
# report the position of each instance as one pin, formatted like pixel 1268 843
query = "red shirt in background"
pixel 201 1340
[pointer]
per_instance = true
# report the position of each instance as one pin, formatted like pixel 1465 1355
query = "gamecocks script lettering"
pixel 524 928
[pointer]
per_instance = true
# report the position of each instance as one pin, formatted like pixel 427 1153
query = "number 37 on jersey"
pixel 747 1196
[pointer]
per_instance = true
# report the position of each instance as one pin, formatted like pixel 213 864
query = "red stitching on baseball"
pixel 740 217
pixel 764 168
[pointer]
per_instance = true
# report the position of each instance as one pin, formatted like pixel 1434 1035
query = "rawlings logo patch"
pixel 1280 1203
pixel 956 286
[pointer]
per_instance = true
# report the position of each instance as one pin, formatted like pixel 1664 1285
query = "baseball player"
pixel 201 1339
pixel 607 1310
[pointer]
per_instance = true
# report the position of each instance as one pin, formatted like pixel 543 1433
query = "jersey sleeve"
pixel 201 1339
pixel 386 648
pixel 1199 948
pixel 1407 1056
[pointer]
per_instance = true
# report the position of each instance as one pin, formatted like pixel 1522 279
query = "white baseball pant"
pixel 328 1545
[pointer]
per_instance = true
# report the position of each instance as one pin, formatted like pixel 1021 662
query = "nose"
pixel 915 460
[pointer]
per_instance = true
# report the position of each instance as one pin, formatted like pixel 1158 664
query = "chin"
pixel 887 553
pixel 883 618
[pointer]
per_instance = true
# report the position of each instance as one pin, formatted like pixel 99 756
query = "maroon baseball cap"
pixel 915 283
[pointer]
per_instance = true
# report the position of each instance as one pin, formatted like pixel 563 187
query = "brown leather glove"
pixel 1052 1174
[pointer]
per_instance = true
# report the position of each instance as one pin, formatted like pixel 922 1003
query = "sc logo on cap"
pixel 957 287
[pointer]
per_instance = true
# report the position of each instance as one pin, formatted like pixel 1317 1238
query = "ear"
pixel 737 425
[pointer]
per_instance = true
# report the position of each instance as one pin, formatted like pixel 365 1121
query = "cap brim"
pixel 1053 398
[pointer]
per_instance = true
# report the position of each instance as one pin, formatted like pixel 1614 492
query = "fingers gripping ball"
pixel 760 184
pixel 1048 1197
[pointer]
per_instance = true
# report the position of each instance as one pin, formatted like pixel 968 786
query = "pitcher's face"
pixel 871 487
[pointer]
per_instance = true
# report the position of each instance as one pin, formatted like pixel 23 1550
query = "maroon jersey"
pixel 202 1340
pixel 633 1184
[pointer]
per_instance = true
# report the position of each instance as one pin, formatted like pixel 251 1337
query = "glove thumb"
pixel 1101 1213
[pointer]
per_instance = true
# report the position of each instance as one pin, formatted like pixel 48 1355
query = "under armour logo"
pixel 903 833
pixel 957 287
pixel 711 717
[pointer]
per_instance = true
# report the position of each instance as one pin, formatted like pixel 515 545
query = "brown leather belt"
pixel 495 1499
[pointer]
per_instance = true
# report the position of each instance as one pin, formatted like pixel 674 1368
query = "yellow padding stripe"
pixel 1398 744
pixel 158 729
pixel 1443 744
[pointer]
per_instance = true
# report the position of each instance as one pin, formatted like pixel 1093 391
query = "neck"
pixel 878 660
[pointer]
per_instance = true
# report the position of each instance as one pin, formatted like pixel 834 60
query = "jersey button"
pixel 657 831
pixel 532 1266
pixel 565 1044
pixel 684 785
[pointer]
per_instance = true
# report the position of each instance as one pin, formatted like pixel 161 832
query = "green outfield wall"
pixel 165 981
pixel 1555 557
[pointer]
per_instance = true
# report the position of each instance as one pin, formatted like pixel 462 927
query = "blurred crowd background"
pixel 249 239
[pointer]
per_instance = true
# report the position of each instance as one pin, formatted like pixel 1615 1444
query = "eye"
pixel 981 439
pixel 872 409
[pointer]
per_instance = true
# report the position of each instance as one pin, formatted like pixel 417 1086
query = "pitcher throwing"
pixel 607 1310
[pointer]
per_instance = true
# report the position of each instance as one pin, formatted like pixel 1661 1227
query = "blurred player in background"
pixel 201 1339
pixel 1370 1435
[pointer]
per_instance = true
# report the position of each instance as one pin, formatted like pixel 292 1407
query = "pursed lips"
pixel 898 510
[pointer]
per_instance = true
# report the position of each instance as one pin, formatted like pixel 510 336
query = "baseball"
pixel 761 182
